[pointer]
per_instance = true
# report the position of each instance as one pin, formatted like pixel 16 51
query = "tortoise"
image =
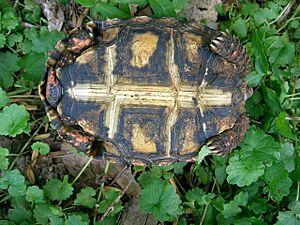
pixel 153 90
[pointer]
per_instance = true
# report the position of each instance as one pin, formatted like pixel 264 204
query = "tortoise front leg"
pixel 231 49
pixel 229 139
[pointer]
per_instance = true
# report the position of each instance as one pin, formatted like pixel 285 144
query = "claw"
pixel 214 47
pixel 216 42
pixel 209 142
pixel 220 38
pixel 212 147
pixel 217 152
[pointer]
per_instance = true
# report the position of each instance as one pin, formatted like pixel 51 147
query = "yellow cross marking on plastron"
pixel 175 97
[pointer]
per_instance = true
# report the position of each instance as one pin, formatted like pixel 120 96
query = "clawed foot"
pixel 218 147
pixel 227 46
pixel 229 139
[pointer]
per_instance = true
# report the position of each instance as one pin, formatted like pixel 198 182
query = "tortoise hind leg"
pixel 229 139
pixel 75 137
pixel 231 49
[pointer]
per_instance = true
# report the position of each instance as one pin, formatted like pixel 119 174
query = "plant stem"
pixel 101 190
pixel 206 207
pixel 26 144
pixel 24 96
pixel 82 170
pixel 18 91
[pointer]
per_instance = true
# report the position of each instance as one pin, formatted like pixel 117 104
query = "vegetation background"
pixel 257 184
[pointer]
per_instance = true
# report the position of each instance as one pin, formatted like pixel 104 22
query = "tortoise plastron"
pixel 154 90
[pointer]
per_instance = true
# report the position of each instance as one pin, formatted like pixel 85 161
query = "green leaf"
pixel 9 20
pixel 8 65
pixel 109 220
pixel 2 40
pixel 282 51
pixel 162 8
pixel 85 197
pixel 14 182
pixel 43 148
pixel 254 106
pixel 43 40
pixel 288 156
pixel 14 38
pixel 283 126
pixel 249 9
pixel 220 9
pixel 182 221
pixel 297 33
pixel 240 27
pixel 45 213
pixel 179 5
pixel 220 168
pixel 34 194
pixel 178 167
pixel 32 11
pixel 4 152
pixel 261 63
pixel 205 151
pixel 25 46
pixel 110 11
pixel 241 174
pixel 271 99
pixel 258 147
pixel 218 203
pixel 295 207
pixel 194 195
pixel 203 174
pixel 56 190
pixel 19 216
pixel 232 208
pixel 259 206
pixel 257 150
pixel 110 197
pixel 278 180
pixel 75 220
pixel 4 99
pixel 86 3
pixel 253 79
pixel 287 218
pixel 163 171
pixel 160 199
pixel 33 66
pixel 262 15
pixel 147 178
pixel 14 120
pixel 137 2
pixel 3 160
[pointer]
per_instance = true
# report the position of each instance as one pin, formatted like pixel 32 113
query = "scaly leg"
pixel 229 139
pixel 231 49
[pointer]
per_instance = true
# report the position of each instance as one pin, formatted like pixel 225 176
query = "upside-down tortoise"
pixel 156 90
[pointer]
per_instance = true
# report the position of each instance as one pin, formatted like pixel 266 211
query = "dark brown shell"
pixel 155 90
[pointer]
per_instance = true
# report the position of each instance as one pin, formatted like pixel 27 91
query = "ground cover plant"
pixel 257 184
